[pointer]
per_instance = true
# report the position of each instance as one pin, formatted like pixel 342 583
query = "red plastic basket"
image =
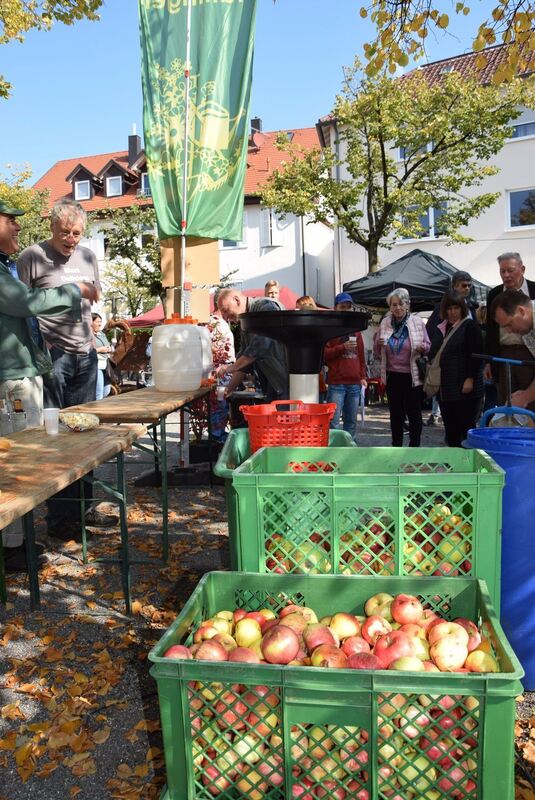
pixel 298 425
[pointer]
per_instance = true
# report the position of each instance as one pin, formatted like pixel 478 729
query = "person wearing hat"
pixel 22 363
pixel 461 284
pixel 346 364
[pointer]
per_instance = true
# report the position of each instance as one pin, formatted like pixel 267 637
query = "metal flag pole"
pixel 187 74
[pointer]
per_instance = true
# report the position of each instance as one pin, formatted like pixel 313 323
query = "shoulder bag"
pixel 432 375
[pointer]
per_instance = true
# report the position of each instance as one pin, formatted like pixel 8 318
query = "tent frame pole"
pixel 187 76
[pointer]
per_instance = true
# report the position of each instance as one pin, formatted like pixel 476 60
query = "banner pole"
pixel 187 74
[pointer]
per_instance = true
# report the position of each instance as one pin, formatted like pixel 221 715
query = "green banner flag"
pixel 221 37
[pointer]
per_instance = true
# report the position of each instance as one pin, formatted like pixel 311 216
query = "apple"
pixel 231 711
pixel 308 613
pixel 301 791
pixel 417 774
pixel 249 748
pixel 252 784
pixel 364 661
pixel 406 608
pixel 178 651
pixel 454 548
pixel 244 655
pixel 257 616
pixel 379 605
pixel 443 629
pixel 204 631
pixel 427 619
pixel 297 622
pixel 316 633
pixel 228 615
pixel 319 742
pixel 280 645
pixel 228 642
pixel 247 631
pixel 209 650
pixel 448 653
pixel 272 768
pixel 407 664
pixel 355 644
pixel 344 625
pixel 330 789
pixel 413 721
pixel 222 625
pixel 412 629
pixel 327 655
pixel 392 646
pixel 214 780
pixel 480 661
pixel 327 767
pixel 429 666
pixel 373 627
pixel 474 636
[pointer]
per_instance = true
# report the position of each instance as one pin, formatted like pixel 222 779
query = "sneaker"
pixel 432 420
pixel 15 558
pixel 96 519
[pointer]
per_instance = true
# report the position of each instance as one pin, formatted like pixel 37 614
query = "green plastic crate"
pixel 235 451
pixel 379 510
pixel 351 707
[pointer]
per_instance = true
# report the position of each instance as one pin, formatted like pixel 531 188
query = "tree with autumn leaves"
pixel 403 146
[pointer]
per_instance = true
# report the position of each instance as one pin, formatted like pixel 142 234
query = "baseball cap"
pixel 343 297
pixel 8 211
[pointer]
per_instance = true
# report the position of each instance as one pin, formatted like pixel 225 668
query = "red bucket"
pixel 298 425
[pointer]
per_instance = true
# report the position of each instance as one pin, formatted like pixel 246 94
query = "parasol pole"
pixel 183 224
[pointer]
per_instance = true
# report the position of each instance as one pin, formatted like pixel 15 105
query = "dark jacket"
pixel 434 320
pixel 492 339
pixel 456 362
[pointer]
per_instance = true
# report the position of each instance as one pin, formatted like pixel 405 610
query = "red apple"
pixel 364 661
pixel 316 634
pixel 443 629
pixel 474 636
pixel 297 622
pixel 178 651
pixel 344 625
pixel 244 655
pixel 280 645
pixel 392 646
pixel 373 627
pixel 355 644
pixel 327 655
pixel 263 718
pixel 231 711
pixel 211 651
pixel 406 608
pixel 228 642
pixel 214 780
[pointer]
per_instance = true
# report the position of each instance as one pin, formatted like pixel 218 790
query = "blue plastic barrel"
pixel 514 450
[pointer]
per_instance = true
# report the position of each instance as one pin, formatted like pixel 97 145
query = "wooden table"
pixel 39 465
pixel 150 407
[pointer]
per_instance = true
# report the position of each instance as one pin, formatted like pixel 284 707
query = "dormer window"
pixel 82 190
pixel 114 186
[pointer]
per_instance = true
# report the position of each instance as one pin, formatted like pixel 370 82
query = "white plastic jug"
pixel 181 355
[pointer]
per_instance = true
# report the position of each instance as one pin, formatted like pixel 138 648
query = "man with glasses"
pixel 71 345
pixel 461 283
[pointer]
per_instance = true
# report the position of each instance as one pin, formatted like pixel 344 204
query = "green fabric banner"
pixel 221 59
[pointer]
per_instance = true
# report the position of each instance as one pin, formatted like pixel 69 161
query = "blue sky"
pixel 77 90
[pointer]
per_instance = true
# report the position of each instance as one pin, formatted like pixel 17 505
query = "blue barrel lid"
pixel 509 441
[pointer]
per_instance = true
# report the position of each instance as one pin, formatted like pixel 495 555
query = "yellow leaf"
pixel 9 742
pixel 23 752
pixel 443 21
pixel 142 770
pixel 363 13
pixel 91 604
pixel 136 607
pixel 74 790
pixel 11 711
pixel 124 771
pixel 102 735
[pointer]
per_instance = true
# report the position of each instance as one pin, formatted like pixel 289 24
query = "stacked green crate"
pixel 262 731
pixel 371 511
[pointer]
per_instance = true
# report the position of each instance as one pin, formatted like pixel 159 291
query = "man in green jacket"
pixel 22 363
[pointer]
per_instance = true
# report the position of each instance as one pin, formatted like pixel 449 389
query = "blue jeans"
pixel 103 389
pixel 347 398
pixel 74 381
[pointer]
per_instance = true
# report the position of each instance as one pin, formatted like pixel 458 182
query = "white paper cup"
pixel 220 393
pixel 51 417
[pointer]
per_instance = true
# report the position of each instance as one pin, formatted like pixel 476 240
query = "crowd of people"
pixel 53 353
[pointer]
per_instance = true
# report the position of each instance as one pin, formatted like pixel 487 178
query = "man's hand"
pixel 521 398
pixel 88 291
pixel 468 386
pixel 364 383
pixel 487 372
pixel 224 369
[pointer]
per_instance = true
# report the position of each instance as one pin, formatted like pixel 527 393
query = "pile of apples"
pixel 426 744
pixel 395 633
pixel 438 542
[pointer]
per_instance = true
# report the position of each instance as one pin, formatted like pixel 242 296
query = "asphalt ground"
pixel 79 715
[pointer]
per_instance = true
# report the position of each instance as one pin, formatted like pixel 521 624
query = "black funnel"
pixel 304 332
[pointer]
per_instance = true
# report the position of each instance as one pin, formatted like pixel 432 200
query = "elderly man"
pixel 22 364
pixel 267 356
pixel 514 312
pixel 71 346
pixel 500 342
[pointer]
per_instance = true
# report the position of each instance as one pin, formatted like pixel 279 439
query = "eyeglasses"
pixel 465 285
pixel 66 234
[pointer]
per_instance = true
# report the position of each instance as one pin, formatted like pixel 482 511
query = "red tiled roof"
pixel 465 65
pixel 55 181
pixel 262 158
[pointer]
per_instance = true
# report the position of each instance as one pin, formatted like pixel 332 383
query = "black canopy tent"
pixel 425 276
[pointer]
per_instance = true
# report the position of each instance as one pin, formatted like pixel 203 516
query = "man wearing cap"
pixel 346 362
pixel 22 363
pixel 514 312
pixel 461 283
pixel 504 343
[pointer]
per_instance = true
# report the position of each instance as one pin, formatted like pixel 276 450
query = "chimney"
pixel 256 125
pixel 134 146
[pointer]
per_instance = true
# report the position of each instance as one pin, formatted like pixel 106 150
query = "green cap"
pixel 8 211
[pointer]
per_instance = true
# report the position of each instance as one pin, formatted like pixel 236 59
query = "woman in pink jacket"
pixel 401 339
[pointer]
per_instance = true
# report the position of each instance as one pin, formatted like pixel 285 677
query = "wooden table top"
pixel 39 465
pixel 141 405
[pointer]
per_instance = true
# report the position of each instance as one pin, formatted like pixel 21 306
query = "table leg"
pixel 125 556
pixel 3 592
pixel 31 557
pixel 165 490
pixel 156 450
pixel 82 520
pixel 209 425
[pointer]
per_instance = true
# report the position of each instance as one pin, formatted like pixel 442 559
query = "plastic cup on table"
pixel 51 417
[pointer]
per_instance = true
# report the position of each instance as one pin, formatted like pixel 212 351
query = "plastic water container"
pixel 181 355
pixel 514 450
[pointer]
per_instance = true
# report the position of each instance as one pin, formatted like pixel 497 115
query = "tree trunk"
pixel 373 259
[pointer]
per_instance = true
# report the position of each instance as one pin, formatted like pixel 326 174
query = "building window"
pixel 429 222
pixel 114 186
pixel 522 208
pixel 405 153
pixel 145 185
pixel 82 190
pixel 230 243
pixel 271 228
pixel 523 129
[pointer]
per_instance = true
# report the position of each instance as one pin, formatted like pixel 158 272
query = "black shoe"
pixel 66 534
pixel 432 420
pixel 96 519
pixel 15 558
